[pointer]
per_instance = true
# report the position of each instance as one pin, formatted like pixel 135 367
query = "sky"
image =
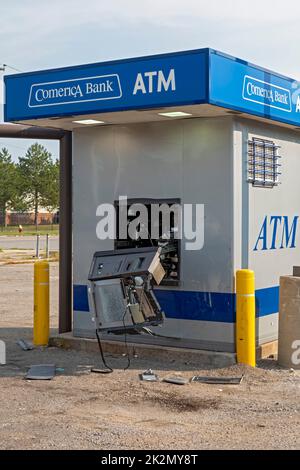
pixel 37 34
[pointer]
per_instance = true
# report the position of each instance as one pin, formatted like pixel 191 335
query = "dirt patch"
pixel 182 404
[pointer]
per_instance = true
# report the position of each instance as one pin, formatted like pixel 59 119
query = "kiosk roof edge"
pixel 177 79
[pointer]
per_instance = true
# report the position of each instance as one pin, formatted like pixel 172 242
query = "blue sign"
pixel 169 80
pixel 243 87
pixel 159 81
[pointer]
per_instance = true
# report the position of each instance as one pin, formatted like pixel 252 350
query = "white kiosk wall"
pixel 186 159
pixel 266 220
pixel 200 161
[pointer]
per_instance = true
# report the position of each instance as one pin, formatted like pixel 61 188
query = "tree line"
pixel 30 183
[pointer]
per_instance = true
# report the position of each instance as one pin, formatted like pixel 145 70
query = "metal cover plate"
pixel 218 380
pixel 41 372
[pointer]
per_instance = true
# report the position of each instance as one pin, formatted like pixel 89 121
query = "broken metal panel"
pixel 176 380
pixel 41 372
pixel 25 345
pixel 218 380
pixel 149 376
pixel 120 293
pixel 121 264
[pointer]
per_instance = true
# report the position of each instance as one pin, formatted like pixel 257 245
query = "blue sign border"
pixel 227 87
pixel 204 76
pixel 192 85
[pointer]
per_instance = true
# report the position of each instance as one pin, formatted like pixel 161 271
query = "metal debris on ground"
pixel 25 345
pixel 218 380
pixel 149 376
pixel 176 380
pixel 41 372
pixel 101 371
pixel 83 369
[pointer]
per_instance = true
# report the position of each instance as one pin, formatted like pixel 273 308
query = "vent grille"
pixel 263 163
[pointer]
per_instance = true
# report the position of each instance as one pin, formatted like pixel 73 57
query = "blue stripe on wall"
pixel 203 306
pixel 267 301
pixel 80 298
pixel 200 306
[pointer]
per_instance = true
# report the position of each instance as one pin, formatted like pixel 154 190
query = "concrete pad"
pixel 146 351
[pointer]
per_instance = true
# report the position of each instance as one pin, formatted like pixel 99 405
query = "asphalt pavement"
pixel 27 242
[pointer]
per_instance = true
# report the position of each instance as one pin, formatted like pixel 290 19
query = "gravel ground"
pixel 80 410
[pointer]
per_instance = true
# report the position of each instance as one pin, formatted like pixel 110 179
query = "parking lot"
pixel 27 242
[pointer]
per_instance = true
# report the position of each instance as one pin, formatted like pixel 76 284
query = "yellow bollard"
pixel 41 303
pixel 245 317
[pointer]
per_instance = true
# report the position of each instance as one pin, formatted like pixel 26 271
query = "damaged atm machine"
pixel 185 169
